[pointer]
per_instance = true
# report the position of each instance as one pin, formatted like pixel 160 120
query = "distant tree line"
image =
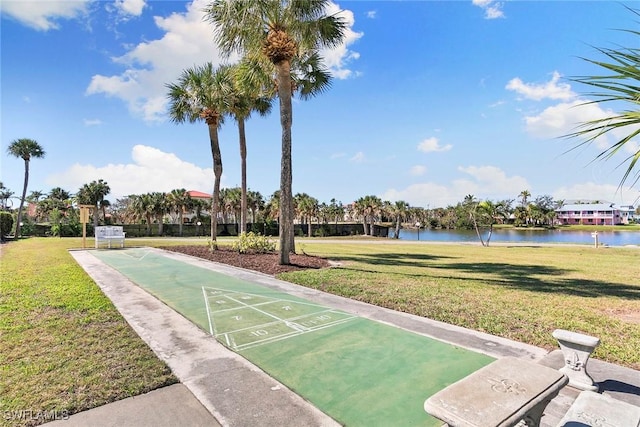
pixel 60 210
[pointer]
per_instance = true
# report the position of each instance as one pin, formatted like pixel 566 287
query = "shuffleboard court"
pixel 358 371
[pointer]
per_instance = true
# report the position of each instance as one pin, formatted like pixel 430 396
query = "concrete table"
pixel 504 393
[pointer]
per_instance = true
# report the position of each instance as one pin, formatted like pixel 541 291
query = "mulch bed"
pixel 264 263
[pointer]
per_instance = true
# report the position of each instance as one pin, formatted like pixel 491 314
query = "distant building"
pixel 189 215
pixel 199 195
pixel 594 214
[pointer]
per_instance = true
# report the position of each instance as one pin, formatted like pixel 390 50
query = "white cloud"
pixel 92 122
pixel 337 155
pixel 564 118
pixel 492 9
pixel 131 7
pixel 338 58
pixel 44 15
pixel 492 182
pixel 603 192
pixel 485 182
pixel 417 170
pixel 433 144
pixel 358 157
pixel 188 41
pixel 151 170
pixel 371 14
pixel 551 89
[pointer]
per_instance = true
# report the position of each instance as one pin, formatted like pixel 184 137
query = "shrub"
pixel 253 243
pixel 6 224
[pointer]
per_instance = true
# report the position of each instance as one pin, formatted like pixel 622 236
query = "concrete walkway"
pixel 219 387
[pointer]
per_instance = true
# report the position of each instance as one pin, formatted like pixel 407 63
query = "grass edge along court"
pixel 64 346
pixel 359 372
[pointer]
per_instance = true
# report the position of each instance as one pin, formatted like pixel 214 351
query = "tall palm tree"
pixel 201 94
pixel 94 194
pixel 244 99
pixel 287 35
pixel 25 149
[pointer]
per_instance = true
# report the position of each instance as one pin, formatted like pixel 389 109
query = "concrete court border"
pixel 234 390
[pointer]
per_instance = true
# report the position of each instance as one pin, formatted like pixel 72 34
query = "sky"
pixel 430 101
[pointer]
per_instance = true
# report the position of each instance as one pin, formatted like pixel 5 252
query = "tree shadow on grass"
pixel 394 259
pixel 534 278
pixel 528 277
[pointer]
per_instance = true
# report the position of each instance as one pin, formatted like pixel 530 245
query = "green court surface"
pixel 358 371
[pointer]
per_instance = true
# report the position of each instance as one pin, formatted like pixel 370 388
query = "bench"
pixel 108 234
pixel 593 409
pixel 505 393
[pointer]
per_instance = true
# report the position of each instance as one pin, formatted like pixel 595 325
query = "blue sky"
pixel 431 101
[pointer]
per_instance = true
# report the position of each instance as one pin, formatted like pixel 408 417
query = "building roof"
pixel 589 207
pixel 198 194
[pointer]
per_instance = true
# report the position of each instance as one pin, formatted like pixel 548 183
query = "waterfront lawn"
pixel 521 293
pixel 65 348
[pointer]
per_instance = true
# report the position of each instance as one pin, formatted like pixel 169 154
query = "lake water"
pixel 610 238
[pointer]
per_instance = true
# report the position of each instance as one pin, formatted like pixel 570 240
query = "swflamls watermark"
pixel 31 415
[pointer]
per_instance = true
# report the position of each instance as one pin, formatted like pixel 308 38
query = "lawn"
pixel 64 346
pixel 521 293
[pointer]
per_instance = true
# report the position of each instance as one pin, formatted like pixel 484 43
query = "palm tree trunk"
pixel 287 244
pixel 24 194
pixel 160 224
pixel 96 215
pixel 397 234
pixel 217 172
pixel 243 157
pixel 475 225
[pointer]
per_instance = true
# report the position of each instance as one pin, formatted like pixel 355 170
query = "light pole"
pixel 198 224
pixel 418 225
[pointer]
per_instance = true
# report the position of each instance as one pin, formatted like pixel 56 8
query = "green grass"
pixel 64 346
pixel 521 293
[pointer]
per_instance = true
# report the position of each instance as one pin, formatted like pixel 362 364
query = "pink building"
pixel 590 214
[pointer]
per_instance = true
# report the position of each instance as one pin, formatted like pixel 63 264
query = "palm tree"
pixel 201 94
pixel 158 207
pixel 286 35
pixel 307 207
pixel 25 149
pixel 490 213
pixel 242 101
pixel 141 208
pixel 5 195
pixel 273 206
pixel 399 211
pixel 93 194
pixel 35 196
pixel 179 199
pixel 620 84
pixel 255 203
